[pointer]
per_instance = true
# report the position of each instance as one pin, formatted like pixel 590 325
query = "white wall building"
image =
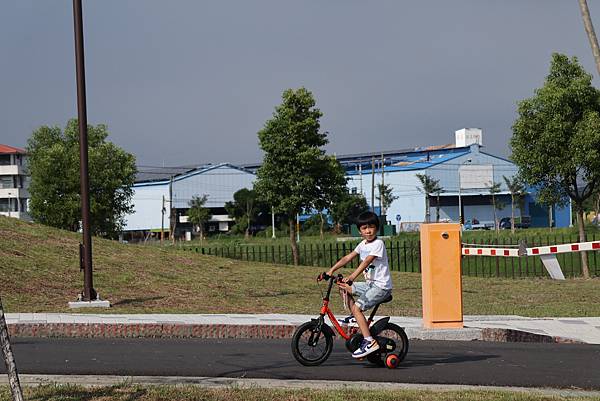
pixel 14 195
pixel 174 189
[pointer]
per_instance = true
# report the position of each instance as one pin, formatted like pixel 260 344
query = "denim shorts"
pixel 368 295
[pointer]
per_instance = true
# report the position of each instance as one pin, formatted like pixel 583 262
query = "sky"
pixel 190 82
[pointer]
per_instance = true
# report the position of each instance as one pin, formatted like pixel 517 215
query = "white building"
pixel 172 189
pixel 14 195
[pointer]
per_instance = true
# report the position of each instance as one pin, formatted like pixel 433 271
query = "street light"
pixel 460 215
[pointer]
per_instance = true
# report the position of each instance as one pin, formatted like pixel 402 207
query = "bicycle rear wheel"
pixel 392 340
pixel 311 345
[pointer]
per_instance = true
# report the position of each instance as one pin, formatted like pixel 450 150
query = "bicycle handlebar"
pixel 338 279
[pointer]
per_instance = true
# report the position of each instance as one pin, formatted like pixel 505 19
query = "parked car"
pixel 477 225
pixel 524 223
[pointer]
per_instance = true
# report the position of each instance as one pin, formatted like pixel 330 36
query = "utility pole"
pixel 360 175
pixel 373 184
pixel 89 294
pixel 172 219
pixel 381 206
pixel 162 222
pixel 273 222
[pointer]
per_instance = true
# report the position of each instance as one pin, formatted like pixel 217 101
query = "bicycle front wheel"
pixel 311 345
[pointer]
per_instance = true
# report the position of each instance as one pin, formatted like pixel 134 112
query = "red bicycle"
pixel 312 341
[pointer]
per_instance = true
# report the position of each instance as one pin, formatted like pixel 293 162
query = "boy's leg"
pixel 363 325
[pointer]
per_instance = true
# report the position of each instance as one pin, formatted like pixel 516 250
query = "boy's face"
pixel 368 231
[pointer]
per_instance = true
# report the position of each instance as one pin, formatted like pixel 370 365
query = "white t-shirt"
pixel 379 273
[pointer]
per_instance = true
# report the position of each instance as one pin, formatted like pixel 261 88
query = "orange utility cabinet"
pixel 441 276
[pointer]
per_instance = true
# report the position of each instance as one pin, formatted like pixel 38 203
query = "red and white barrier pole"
pixel 546 253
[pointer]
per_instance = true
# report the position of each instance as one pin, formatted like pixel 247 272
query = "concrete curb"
pixel 227 382
pixel 281 331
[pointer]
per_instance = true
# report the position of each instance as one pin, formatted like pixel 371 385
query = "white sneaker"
pixel 349 321
pixel 366 348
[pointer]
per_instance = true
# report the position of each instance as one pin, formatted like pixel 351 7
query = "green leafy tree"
pixel 244 209
pixel 429 186
pixel 517 192
pixel 198 214
pixel 293 164
pixel 347 208
pixel 494 189
pixel 556 139
pixel 53 164
pixel 386 197
pixel 331 183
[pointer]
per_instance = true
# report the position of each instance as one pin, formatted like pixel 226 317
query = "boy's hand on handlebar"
pixel 323 276
pixel 345 285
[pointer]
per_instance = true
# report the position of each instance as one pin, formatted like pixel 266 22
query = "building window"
pixel 6 205
pixel 353 190
pixel 6 181
pixel 5 160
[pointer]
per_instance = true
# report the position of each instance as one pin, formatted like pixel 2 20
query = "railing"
pixel 404 256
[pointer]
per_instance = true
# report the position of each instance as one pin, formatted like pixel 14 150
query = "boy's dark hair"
pixel 366 218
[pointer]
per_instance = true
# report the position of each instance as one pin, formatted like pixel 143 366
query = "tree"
pixel 347 208
pixel 429 185
pixel 53 164
pixel 386 197
pixel 494 188
pixel 198 214
pixel 589 30
pixel 243 209
pixel 289 178
pixel 517 192
pixel 556 139
pixel 331 183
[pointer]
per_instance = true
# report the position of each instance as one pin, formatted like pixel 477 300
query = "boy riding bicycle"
pixel 375 268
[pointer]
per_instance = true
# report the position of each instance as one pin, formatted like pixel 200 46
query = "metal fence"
pixel 404 256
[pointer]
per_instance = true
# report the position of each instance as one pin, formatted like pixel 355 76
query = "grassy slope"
pixel 39 271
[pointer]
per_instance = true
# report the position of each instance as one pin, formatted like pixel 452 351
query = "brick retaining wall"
pixel 174 330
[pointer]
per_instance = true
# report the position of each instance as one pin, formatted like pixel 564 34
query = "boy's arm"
pixel 364 264
pixel 342 262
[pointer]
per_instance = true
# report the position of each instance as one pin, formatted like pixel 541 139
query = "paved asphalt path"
pixel 433 362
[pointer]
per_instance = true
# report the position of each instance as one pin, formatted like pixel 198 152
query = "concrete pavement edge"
pixel 30 380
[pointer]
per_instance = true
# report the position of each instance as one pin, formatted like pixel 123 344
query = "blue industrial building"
pixel 465 173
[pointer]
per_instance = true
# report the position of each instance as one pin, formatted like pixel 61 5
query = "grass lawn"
pixel 188 393
pixel 39 272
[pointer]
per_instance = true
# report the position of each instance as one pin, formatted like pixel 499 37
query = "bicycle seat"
pixel 388 299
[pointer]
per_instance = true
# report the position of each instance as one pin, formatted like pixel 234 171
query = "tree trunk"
pixel 584 260
pixel 174 225
pixel 495 218
pixel 322 224
pixel 426 208
pixel 589 30
pixel 295 255
pixel 247 233
pixel 512 214
pixel 9 360
pixel 437 209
